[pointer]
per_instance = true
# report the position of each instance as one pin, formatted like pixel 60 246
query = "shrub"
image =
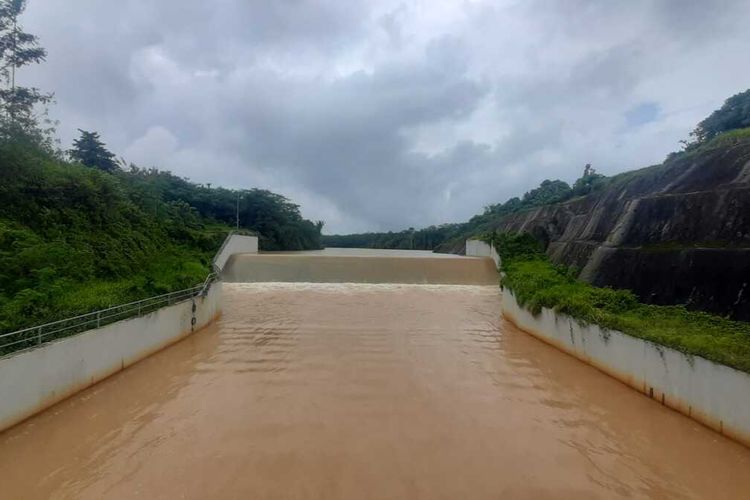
pixel 537 283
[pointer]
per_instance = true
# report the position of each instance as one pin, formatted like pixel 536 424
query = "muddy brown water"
pixel 347 391
pixel 330 267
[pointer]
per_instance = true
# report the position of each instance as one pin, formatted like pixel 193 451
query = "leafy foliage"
pixel 588 182
pixel 537 283
pixel 17 49
pixel 277 220
pixel 409 239
pixel 89 150
pixel 547 192
pixel 522 246
pixel 734 114
pixel 75 239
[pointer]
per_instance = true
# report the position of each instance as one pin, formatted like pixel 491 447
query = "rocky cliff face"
pixel 676 233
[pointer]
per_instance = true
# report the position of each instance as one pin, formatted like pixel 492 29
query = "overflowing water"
pixel 384 266
pixel 343 391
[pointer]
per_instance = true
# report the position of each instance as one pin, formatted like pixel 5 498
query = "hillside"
pixel 675 233
pixel 75 239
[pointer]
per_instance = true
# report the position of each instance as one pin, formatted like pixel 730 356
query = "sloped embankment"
pixel 676 233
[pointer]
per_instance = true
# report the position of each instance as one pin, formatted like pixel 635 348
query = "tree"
pixel 90 151
pixel 588 182
pixel 547 192
pixel 17 49
pixel 734 114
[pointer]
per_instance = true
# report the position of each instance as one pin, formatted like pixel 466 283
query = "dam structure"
pixel 369 374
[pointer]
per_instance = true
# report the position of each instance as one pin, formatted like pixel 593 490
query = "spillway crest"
pixel 322 268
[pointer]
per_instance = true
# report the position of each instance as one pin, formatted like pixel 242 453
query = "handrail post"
pixel 39 336
pixel 98 319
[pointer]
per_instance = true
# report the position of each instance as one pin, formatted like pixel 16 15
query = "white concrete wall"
pixel 714 394
pixel 235 243
pixel 33 380
pixel 478 248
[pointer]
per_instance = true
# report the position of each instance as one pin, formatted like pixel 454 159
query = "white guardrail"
pixel 235 242
pixel 40 334
pixel 35 336
pixel 44 364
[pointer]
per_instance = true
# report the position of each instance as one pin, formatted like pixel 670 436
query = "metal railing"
pixel 38 335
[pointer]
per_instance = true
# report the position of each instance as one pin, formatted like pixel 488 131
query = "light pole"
pixel 238 212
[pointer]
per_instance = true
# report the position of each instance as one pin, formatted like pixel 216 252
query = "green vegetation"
pixel 277 220
pixel 89 150
pixel 723 128
pixel 75 239
pixel 19 106
pixel 537 283
pixel 734 114
pixel 85 234
pixel 429 238
pixel 409 239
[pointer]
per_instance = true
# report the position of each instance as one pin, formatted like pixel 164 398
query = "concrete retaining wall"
pixel 713 394
pixel 33 380
pixel 478 248
pixel 235 243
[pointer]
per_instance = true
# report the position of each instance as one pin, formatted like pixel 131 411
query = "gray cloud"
pixel 384 115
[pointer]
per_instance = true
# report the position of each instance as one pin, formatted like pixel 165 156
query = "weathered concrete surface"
pixel 478 248
pixel 303 268
pixel 677 233
pixel 234 243
pixel 713 394
pixel 33 380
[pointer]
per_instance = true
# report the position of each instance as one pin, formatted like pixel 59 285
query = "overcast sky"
pixel 384 115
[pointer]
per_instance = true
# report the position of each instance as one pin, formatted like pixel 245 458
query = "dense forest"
pixel 734 115
pixel 80 231
pixel 409 239
pixel 75 238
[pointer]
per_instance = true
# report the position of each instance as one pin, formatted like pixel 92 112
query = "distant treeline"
pixel 422 239
pixel 276 219
pixel 734 115
pixel 431 237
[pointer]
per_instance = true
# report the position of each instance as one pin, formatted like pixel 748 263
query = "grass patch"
pixel 537 283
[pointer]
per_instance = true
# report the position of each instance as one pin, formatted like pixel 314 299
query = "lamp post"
pixel 238 212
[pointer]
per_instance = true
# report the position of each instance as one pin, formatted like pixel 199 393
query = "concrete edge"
pixel 233 244
pixel 715 395
pixel 33 380
pixel 479 248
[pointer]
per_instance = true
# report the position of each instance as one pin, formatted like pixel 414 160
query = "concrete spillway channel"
pixel 366 267
pixel 409 384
